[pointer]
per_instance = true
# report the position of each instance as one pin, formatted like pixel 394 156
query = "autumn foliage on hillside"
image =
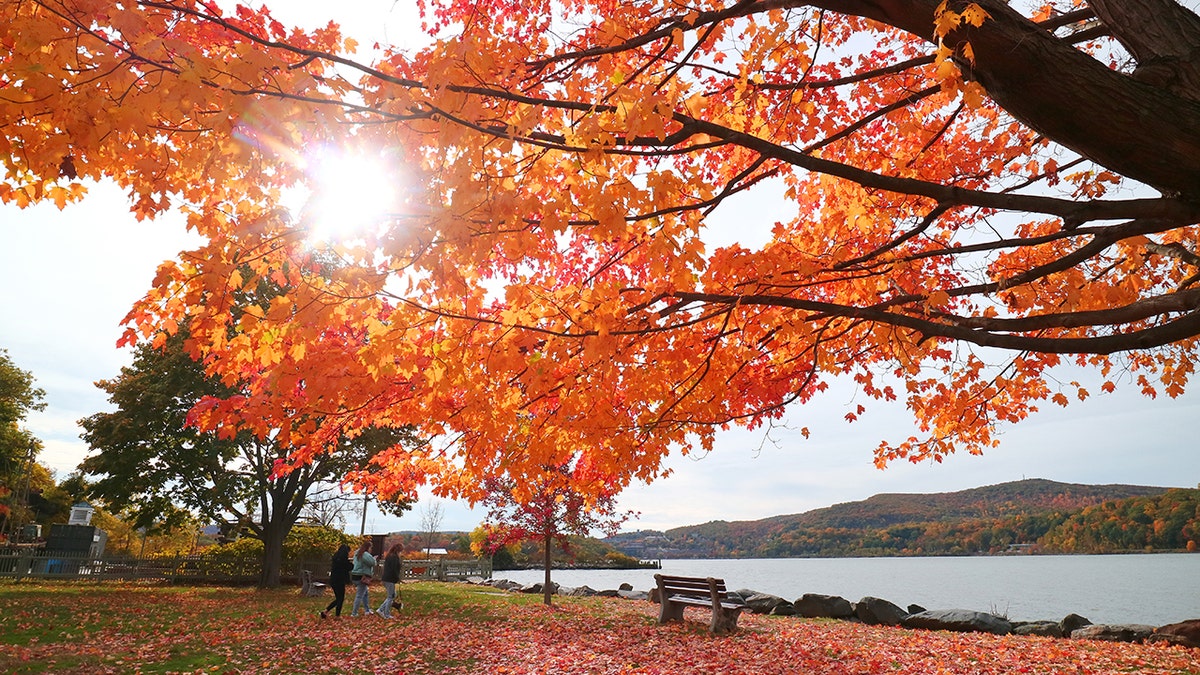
pixel 971 198
pixel 1057 518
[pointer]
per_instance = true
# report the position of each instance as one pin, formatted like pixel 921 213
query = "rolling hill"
pixel 992 519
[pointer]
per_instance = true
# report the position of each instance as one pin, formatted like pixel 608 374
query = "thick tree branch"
pixel 1176 330
pixel 1142 131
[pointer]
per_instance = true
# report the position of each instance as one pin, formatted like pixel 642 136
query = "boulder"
pixel 915 609
pixel 764 603
pixel 633 595
pixel 961 620
pixel 876 611
pixel 625 587
pixel 743 593
pixel 784 609
pixel 532 589
pixel 608 593
pixel 580 592
pixel 816 605
pixel 1185 633
pixel 1126 632
pixel 1041 628
pixel 503 584
pixel 1071 623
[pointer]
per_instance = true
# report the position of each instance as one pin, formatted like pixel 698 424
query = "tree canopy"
pixel 151 464
pixel 977 194
pixel 18 398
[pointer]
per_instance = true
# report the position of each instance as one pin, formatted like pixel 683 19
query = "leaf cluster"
pixel 972 198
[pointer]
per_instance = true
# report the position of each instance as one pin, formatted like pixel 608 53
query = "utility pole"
pixel 362 529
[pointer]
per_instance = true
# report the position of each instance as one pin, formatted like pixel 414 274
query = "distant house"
pixel 430 552
pixel 1021 548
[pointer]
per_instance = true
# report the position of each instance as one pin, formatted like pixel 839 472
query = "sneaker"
pixel 324 615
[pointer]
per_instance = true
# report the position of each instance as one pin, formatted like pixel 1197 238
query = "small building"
pixel 83 540
pixel 81 514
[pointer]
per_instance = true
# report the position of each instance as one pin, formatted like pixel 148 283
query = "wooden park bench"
pixel 677 593
pixel 308 587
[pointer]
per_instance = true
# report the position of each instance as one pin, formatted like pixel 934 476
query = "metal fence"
pixel 40 564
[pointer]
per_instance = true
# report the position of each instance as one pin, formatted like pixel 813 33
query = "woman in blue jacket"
pixel 360 574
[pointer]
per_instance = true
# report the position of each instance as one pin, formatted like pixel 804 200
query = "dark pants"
pixel 339 598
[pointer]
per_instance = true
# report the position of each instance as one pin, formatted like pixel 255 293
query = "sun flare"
pixel 349 196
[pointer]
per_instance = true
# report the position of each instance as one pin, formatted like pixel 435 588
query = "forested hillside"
pixel 1024 515
pixel 1167 521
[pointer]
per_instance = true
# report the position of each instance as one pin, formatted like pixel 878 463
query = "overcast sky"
pixel 69 277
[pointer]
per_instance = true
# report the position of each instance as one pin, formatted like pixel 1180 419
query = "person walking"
pixel 339 576
pixel 360 574
pixel 391 577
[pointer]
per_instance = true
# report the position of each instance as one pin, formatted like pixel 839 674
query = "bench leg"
pixel 670 611
pixel 724 621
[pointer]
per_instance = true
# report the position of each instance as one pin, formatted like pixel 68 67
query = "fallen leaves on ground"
pixel 461 629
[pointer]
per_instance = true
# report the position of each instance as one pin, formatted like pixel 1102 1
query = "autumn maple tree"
pixel 973 194
pixel 150 465
pixel 565 499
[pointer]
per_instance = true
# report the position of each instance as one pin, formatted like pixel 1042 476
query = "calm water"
pixel 1153 589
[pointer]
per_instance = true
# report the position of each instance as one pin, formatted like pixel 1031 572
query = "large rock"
pixel 763 603
pixel 816 605
pixel 584 591
pixel 534 589
pixel 1071 623
pixel 783 609
pixel 876 611
pixel 1041 628
pixel 503 584
pixel 1185 633
pixel 961 620
pixel 1127 632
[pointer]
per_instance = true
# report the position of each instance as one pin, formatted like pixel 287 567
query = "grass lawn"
pixel 457 628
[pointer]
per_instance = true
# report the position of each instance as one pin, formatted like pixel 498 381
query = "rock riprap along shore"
pixel 878 611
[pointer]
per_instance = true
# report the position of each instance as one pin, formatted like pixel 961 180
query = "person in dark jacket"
pixel 391 577
pixel 339 576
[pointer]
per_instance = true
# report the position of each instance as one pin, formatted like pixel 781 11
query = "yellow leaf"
pixel 974 15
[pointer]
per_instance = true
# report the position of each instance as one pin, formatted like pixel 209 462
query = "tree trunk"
pixel 547 589
pixel 272 560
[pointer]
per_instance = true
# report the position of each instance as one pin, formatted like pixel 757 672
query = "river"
pixel 1153 589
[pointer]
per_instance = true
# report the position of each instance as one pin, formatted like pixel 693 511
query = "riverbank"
pixel 1150 589
pixel 464 629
